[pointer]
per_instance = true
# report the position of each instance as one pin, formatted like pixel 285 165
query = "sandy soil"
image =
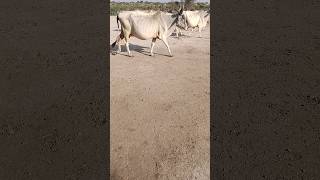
pixel 160 109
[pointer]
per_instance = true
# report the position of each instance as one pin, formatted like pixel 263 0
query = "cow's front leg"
pixel 180 32
pixel 166 43
pixel 200 32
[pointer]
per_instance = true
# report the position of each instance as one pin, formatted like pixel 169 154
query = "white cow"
pixel 195 19
pixel 146 26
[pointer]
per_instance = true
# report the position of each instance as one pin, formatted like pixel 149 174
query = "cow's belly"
pixel 143 36
pixel 144 30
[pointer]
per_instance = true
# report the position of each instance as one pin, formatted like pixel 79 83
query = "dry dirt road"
pixel 160 109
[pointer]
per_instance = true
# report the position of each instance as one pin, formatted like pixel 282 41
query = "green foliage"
pixel 144 5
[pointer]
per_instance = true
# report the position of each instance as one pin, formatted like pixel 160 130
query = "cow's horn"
pixel 181 10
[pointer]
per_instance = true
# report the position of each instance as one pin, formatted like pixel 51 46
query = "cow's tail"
pixel 118 21
pixel 113 44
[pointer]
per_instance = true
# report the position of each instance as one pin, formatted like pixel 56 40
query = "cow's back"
pixel 124 17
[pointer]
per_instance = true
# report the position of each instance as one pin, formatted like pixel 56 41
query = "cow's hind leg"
pixel 119 45
pixel 178 31
pixel 152 45
pixel 127 46
pixel 119 48
pixel 118 39
pixel 200 28
pixel 190 33
pixel 166 43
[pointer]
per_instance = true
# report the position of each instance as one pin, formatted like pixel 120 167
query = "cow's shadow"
pixel 133 47
pixel 174 35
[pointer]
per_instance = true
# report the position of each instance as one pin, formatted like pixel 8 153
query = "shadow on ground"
pixel 174 35
pixel 133 47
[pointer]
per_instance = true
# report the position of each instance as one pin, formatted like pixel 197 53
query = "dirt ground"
pixel 160 109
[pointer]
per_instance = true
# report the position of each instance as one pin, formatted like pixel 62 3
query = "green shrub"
pixel 140 5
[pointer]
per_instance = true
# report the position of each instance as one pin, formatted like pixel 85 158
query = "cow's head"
pixel 177 15
pixel 181 14
pixel 180 11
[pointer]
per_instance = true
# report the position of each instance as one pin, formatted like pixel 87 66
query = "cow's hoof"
pixel 114 53
pixel 170 55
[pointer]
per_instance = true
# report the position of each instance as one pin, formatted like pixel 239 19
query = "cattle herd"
pixel 153 25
